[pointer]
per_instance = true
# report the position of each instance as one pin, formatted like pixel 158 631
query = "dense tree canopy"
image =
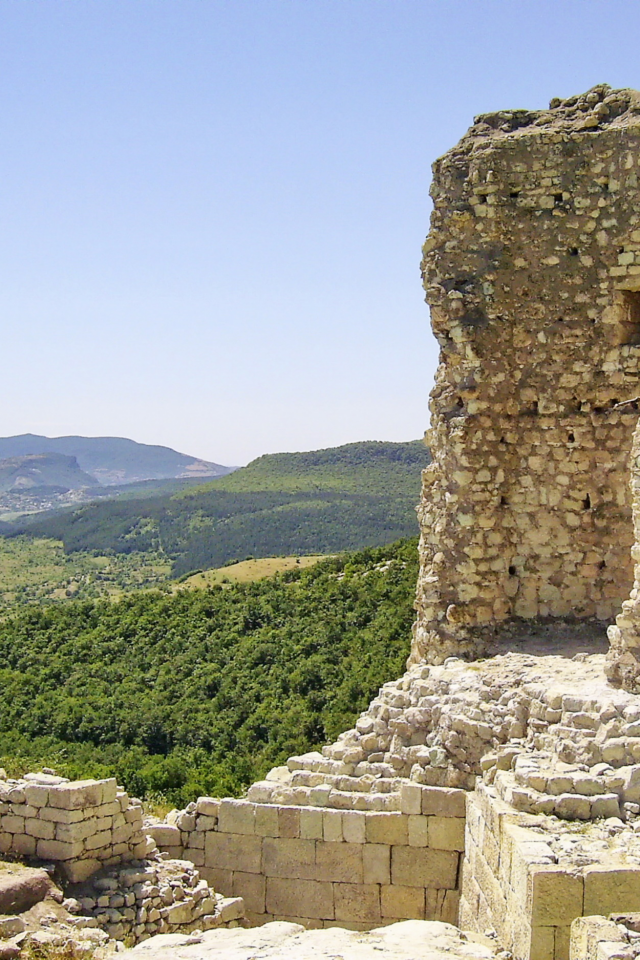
pixel 203 691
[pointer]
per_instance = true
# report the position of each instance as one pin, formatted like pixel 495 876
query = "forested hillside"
pixel 327 501
pixel 202 692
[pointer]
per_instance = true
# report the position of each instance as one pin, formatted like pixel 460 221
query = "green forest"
pixel 203 691
pixel 326 501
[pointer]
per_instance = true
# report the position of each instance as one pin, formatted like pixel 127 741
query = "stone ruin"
pixel 501 796
pixel 532 273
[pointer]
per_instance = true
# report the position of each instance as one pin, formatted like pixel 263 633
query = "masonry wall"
pixel 321 867
pixel 532 273
pixel 623 667
pixel 81 825
pixel 513 882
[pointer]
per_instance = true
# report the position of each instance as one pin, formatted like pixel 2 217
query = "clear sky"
pixel 211 211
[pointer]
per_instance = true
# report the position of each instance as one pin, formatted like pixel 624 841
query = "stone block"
pixel 220 880
pixel 78 871
pixel 11 927
pixel 376 863
pixel 181 912
pixel 443 802
pixel 354 826
pixel 422 866
pixel 97 841
pixel 109 790
pixel 208 806
pixel 23 810
pixel 311 823
pixel 542 944
pixel 570 806
pixel 340 862
pixel 36 795
pixel 11 824
pixel 301 898
pixel 77 795
pixel 419 831
pixel 450 909
pixel 402 903
pixel 554 897
pixel 232 851
pixel 587 932
pixel 332 825
pixel 562 943
pixel 492 852
pixel 124 833
pixel 289 822
pixel 75 832
pixel 446 833
pixel 58 850
pixel 231 908
pixel 42 829
pixel 411 798
pixel 176 853
pixel 266 820
pixel 252 888
pixel 287 858
pixel 103 823
pixel 611 890
pixel 236 816
pixel 164 835
pixel 434 906
pixel 606 805
pixel 389 828
pixel 56 815
pixel 23 845
pixel 204 823
pixel 196 857
pixel 357 902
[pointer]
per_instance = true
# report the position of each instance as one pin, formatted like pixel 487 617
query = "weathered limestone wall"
pixel 624 635
pixel 530 879
pixel 320 866
pixel 510 882
pixel 532 274
pixel 81 825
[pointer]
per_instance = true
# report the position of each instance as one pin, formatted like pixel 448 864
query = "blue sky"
pixel 211 211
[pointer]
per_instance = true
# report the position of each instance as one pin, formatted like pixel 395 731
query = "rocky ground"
pixel 409 940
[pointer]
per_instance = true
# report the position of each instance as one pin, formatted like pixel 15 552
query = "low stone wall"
pixel 80 825
pixel 529 877
pixel 322 866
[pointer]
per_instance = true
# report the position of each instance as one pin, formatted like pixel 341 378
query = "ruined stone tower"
pixel 532 273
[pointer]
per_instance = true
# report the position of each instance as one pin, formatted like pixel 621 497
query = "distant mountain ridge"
pixel 287 504
pixel 111 461
pixel 54 472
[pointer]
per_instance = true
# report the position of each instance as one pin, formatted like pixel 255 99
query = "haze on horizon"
pixel 212 213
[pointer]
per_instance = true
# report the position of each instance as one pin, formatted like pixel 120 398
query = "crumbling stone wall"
pixel 623 666
pixel 81 825
pixel 532 274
